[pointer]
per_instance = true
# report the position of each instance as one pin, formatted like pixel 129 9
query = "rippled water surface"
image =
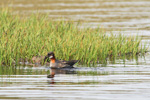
pixel 114 14
pixel 118 81
pixel 115 81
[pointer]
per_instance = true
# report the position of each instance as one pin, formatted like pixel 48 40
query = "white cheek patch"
pixel 51 57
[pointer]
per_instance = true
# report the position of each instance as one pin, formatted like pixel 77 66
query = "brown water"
pixel 115 14
pixel 119 81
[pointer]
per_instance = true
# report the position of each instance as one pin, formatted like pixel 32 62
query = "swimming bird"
pixel 54 63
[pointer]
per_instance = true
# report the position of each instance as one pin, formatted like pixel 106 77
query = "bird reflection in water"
pixel 53 72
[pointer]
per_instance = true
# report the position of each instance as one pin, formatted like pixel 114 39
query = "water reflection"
pixel 54 71
pixel 109 82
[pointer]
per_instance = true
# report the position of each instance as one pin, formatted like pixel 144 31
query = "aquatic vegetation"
pixel 11 70
pixel 25 37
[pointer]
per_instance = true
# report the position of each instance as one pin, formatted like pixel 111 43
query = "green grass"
pixel 25 37
pixel 5 70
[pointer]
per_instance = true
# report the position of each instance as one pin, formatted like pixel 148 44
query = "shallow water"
pixel 114 81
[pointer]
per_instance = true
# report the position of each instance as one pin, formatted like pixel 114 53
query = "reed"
pixel 25 37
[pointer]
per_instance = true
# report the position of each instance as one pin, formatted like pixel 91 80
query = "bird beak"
pixel 51 57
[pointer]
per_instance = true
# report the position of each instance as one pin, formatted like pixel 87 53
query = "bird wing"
pixel 72 62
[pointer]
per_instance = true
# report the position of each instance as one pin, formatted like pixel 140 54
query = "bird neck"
pixel 53 60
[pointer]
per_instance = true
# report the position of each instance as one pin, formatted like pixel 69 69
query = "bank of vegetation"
pixel 36 35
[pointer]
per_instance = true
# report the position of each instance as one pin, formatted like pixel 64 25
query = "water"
pixel 109 14
pixel 114 81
